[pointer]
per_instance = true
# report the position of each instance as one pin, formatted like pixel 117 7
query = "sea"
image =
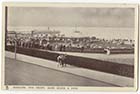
pixel 99 32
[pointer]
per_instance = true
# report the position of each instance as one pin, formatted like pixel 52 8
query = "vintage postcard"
pixel 70 46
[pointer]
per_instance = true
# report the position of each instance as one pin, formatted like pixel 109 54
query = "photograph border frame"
pixel 72 88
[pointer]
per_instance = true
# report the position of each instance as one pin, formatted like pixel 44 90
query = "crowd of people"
pixel 42 43
pixel 65 43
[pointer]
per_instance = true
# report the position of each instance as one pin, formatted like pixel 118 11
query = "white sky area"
pixel 108 23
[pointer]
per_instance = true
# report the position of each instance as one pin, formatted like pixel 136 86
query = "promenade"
pixel 87 76
pixel 23 73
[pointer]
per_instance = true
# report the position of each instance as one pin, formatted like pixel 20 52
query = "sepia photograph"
pixel 70 46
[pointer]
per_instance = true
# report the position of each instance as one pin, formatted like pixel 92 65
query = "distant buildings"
pixel 45 33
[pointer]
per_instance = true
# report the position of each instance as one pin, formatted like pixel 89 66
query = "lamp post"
pixel 6 14
pixel 15 45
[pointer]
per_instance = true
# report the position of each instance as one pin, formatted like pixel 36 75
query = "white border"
pixel 99 1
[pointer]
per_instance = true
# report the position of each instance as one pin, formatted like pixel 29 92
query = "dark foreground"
pixel 21 73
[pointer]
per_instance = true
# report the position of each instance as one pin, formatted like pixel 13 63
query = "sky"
pixel 101 22
pixel 66 16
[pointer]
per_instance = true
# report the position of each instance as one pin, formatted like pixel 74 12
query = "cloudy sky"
pixel 77 16
pixel 106 23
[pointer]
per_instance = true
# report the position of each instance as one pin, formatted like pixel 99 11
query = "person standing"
pixel 62 60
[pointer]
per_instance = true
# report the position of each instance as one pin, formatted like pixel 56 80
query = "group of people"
pixel 42 43
pixel 63 44
pixel 61 59
pixel 36 43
